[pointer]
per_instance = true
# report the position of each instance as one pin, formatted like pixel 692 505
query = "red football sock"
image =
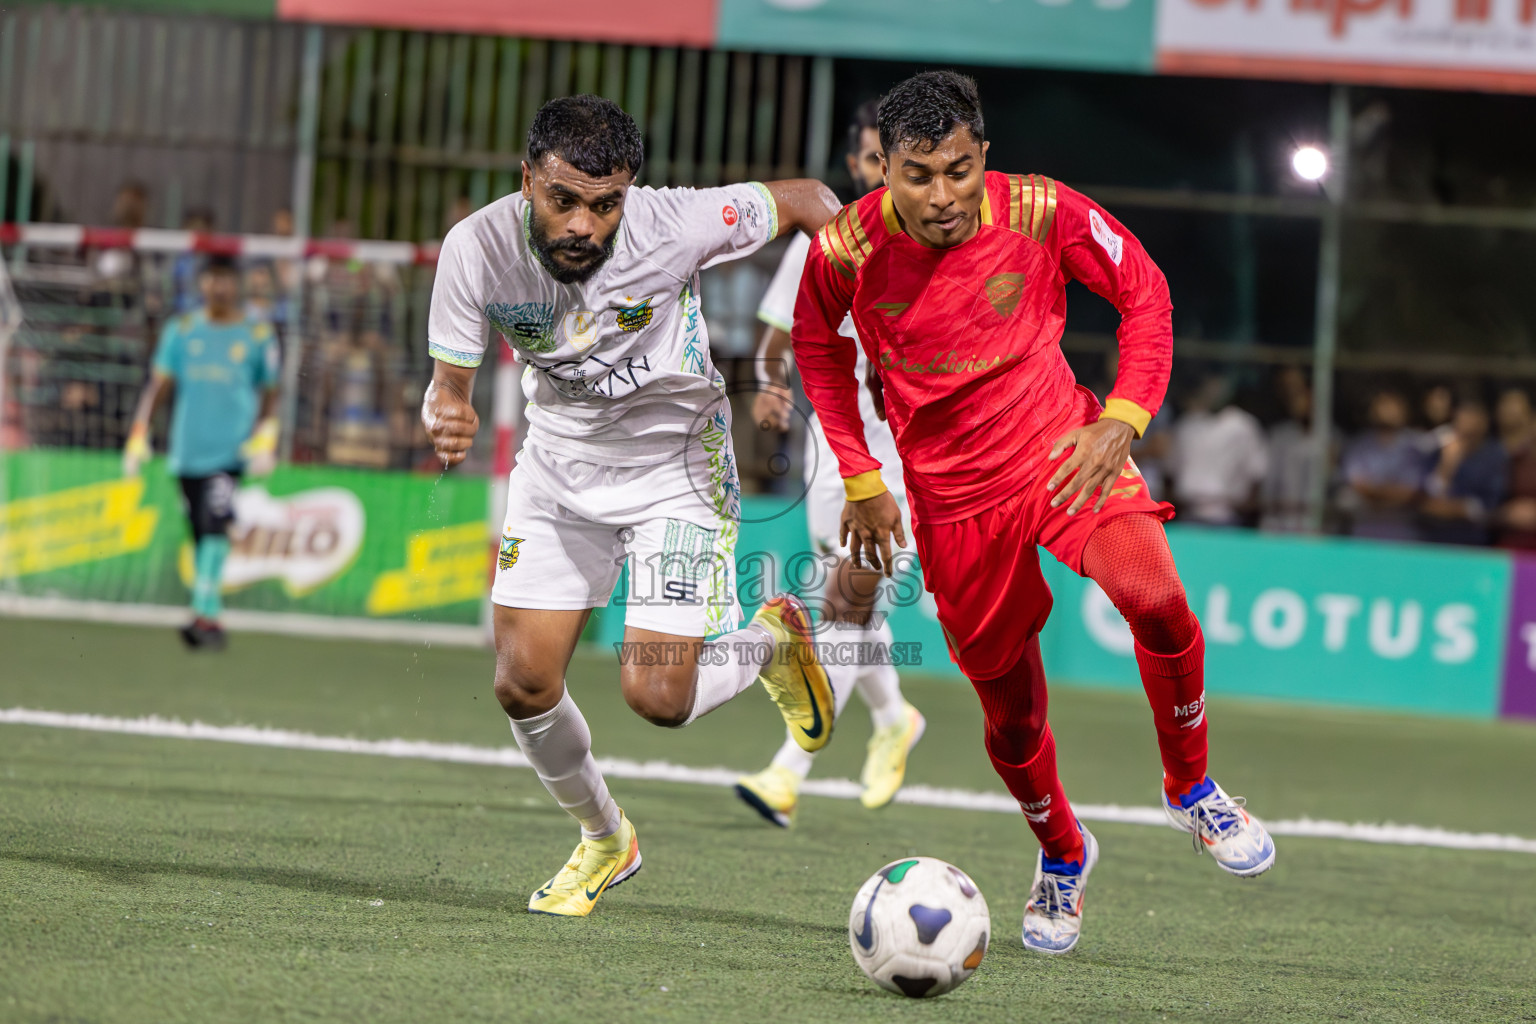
pixel 1128 557
pixel 1175 686
pixel 1023 752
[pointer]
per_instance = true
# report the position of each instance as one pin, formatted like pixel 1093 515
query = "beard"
pixel 591 255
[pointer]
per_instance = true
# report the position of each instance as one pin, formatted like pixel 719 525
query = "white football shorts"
pixel 572 526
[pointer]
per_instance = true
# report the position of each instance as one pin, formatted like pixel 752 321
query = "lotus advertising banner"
pixel 1407 627
pixel 1320 620
pixel 326 541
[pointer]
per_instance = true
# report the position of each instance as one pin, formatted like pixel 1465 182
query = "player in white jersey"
pixel 628 460
pixel 856 627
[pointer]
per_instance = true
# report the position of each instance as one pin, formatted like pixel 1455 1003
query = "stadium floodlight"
pixel 1310 163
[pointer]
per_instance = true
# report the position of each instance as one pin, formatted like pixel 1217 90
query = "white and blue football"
pixel 919 927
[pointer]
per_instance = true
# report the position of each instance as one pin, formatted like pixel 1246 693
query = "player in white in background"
pixel 628 456
pixel 851 594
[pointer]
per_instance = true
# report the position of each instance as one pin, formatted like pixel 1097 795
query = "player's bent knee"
pixel 663 698
pixel 523 690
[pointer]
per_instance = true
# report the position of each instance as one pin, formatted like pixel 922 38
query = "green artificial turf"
pixel 166 880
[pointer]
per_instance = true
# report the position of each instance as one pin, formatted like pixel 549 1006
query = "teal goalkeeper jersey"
pixel 220 371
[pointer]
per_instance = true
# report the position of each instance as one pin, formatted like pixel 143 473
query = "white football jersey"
pixel 618 368
pixel 777 309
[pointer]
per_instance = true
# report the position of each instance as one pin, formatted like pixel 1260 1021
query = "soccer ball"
pixel 919 927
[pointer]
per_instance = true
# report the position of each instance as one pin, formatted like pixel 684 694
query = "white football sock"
pixel 729 668
pixel 878 683
pixel 558 745
pixel 844 679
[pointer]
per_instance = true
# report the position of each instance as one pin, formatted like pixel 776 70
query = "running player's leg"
pixel 533 649
pixel 673 680
pixel 984 573
pixel 683 589
pixel 1124 550
pixel 553 567
pixel 1128 557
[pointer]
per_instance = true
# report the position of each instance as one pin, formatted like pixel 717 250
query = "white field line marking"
pixel 663 771
pixel 246 620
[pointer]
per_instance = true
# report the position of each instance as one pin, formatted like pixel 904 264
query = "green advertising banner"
pixel 318 540
pixel 1314 620
pixel 1102 35
pixel 1321 620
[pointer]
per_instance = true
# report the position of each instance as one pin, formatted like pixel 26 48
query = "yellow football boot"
pixel 773 792
pixel 597 866
pixel 794 677
pixel 885 765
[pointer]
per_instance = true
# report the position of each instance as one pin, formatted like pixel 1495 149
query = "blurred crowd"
pixel 1441 464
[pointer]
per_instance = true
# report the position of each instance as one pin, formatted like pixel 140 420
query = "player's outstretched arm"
pixel 804 204
pixel 446 412
pixel 772 406
pixel 1097 250
pixel 138 450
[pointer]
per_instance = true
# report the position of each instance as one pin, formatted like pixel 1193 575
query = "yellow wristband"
pixel 264 439
pixel 1127 412
pixel 865 485
pixel 138 442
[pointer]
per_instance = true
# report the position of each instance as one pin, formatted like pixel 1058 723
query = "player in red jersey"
pixel 956 281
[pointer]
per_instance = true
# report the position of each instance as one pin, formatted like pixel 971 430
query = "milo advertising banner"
pixel 318 540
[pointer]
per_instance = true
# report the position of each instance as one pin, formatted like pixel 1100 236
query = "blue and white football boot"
pixel 1221 826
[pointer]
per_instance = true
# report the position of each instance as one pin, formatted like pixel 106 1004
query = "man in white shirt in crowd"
pixel 1219 457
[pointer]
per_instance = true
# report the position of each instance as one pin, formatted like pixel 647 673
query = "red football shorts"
pixel 984 571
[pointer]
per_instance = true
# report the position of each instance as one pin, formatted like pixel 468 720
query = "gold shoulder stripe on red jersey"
pixel 1017 202
pixel 1047 203
pixel 845 242
pixel 1031 205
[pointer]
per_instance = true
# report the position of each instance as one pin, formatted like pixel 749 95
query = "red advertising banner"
pixel 1448 44
pixel 673 23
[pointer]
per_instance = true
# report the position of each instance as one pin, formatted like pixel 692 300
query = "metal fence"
pixel 382 134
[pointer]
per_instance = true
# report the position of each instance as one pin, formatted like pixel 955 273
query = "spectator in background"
pixel 1466 486
pixel 269 282
pixel 1217 458
pixel 1438 409
pixel 1383 470
pixel 130 209
pixel 187 270
pixel 1516 520
pixel 1293 464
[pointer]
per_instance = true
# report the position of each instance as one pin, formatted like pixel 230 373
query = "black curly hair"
pixel 923 110
pixel 592 134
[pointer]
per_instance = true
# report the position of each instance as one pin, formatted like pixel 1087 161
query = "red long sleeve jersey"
pixel 967 338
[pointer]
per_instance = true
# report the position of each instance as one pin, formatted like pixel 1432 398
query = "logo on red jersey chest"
pixel 1003 291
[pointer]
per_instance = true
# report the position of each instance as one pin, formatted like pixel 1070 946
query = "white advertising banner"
pixel 1456 44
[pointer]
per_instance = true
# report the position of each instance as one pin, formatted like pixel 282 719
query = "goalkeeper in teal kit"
pixel 221 366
